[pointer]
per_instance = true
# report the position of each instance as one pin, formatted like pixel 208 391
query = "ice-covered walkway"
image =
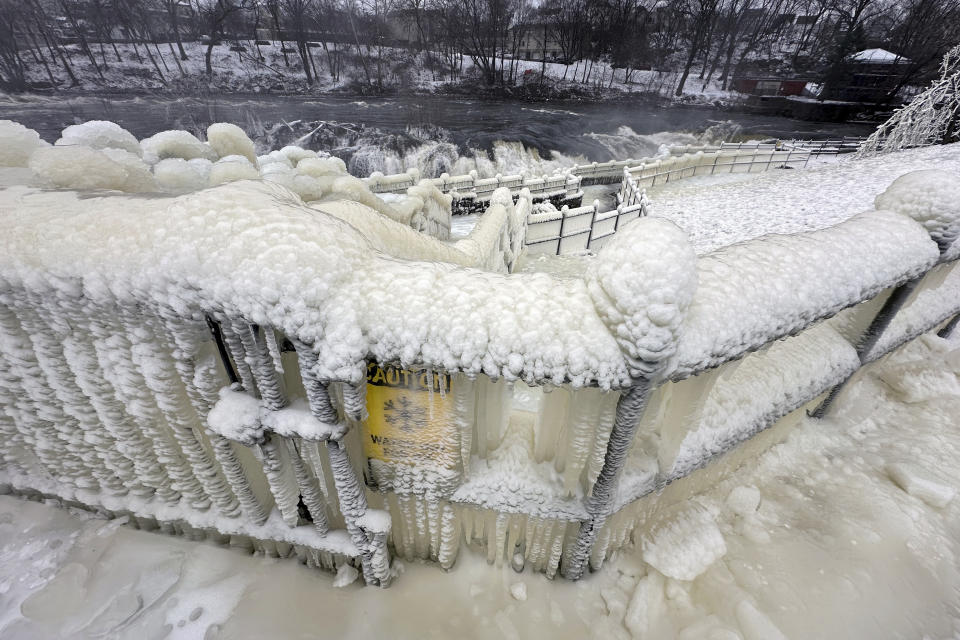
pixel 849 525
pixel 717 213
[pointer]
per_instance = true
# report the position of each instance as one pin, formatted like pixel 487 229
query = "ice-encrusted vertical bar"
pixel 18 374
pixel 353 501
pixel 271 392
pixel 78 426
pixel 630 409
pixel 872 335
pixel 161 377
pixel 184 338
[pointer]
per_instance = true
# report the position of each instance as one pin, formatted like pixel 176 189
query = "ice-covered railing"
pixel 700 163
pixel 400 399
pixel 578 229
pixel 472 193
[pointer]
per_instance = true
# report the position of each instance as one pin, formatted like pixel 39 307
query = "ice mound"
pixel 231 169
pixel 641 285
pixel 308 188
pixel 295 154
pixel 228 139
pixel 17 144
pixel 176 175
pixel 139 177
pixel 918 482
pixel 77 168
pixel 100 134
pixel 932 198
pixel 685 545
pixel 176 144
pixel 320 167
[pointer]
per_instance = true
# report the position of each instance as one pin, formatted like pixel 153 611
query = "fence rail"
pixel 572 230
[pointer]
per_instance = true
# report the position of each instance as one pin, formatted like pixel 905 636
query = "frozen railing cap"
pixel 932 198
pixel 641 284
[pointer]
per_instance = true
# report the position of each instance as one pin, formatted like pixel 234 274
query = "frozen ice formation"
pixel 100 134
pixel 739 307
pixel 642 284
pixel 17 144
pixel 176 144
pixel 77 167
pixel 930 197
pixel 685 545
pixel 228 139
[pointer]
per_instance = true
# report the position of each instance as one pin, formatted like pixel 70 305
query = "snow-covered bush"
pixel 77 168
pixel 17 144
pixel 642 284
pixel 176 144
pixel 100 134
pixel 930 197
pixel 229 139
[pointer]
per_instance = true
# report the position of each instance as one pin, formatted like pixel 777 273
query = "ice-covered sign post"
pixel 262 352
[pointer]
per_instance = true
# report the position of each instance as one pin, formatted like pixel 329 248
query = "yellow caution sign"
pixel 411 417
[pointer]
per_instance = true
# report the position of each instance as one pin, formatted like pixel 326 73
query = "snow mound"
pixel 77 168
pixel 17 144
pixel 930 197
pixel 685 545
pixel 176 144
pixel 641 285
pixel 228 139
pixel 100 134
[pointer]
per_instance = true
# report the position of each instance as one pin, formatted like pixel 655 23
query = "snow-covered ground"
pixel 243 71
pixel 847 529
pixel 716 212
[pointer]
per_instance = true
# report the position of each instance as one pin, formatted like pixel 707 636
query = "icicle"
pixel 465 396
pixel 581 426
pixel 235 347
pixel 274 348
pixel 449 537
pixel 309 487
pixel 553 415
pixel 500 537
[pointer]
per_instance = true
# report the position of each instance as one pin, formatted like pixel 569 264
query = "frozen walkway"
pixel 790 201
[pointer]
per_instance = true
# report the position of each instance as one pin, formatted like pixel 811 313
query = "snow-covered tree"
pixel 933 117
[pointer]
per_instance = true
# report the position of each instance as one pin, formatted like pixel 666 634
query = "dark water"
pixel 587 129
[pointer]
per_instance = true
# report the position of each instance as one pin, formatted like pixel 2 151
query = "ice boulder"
pixel 176 175
pixel 139 178
pixel 642 284
pixel 231 169
pixel 77 168
pixel 100 134
pixel 176 144
pixel 295 154
pixel 319 167
pixel 932 198
pixel 229 140
pixel 17 144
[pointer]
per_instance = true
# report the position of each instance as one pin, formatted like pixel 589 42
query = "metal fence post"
pixel 880 322
pixel 630 409
pixel 948 328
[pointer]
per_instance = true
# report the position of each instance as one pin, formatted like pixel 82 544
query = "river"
pixel 369 132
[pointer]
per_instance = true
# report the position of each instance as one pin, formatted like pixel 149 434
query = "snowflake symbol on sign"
pixel 404 414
